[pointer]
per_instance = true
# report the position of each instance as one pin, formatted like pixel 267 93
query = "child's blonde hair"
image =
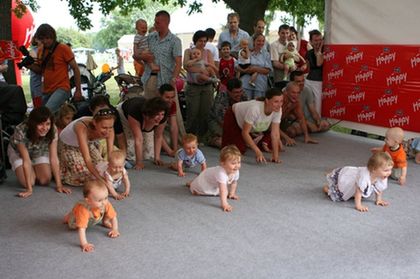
pixel 189 138
pixel 243 42
pixel 192 50
pixel 396 133
pixel 64 110
pixel 91 185
pixel 379 159
pixel 229 152
pixel 116 155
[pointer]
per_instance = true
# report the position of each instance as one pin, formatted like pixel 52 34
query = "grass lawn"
pixel 111 84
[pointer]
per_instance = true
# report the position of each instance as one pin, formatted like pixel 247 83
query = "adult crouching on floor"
pixel 141 117
pixel 247 123
pixel 79 146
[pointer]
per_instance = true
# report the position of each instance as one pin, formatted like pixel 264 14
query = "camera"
pixel 27 59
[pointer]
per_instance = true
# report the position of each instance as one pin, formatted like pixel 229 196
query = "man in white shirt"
pixel 211 33
pixel 276 49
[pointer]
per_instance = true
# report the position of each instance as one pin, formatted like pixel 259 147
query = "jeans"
pixel 54 100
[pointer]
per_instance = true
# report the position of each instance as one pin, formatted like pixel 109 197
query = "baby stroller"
pixel 90 85
pixel 130 86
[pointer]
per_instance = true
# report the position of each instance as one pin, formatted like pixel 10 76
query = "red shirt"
pixel 226 70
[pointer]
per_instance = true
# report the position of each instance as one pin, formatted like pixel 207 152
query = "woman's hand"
pixel 64 190
pixel 259 157
pixel 139 166
pixel 25 194
pixel 159 162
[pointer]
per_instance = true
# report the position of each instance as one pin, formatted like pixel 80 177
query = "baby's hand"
pixel 125 194
pixel 382 203
pixel 181 174
pixel 114 233
pixel 227 207
pixel 88 247
pixel 233 197
pixel 362 208
pixel 402 180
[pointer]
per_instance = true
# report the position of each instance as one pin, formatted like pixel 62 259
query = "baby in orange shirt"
pixel 393 145
pixel 92 210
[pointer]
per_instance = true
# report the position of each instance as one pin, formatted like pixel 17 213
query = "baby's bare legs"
pixel 286 71
pixel 253 79
pixel 106 222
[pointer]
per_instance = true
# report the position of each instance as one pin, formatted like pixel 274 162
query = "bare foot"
pixel 325 189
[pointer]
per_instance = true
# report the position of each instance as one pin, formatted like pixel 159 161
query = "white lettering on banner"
pixel 30 32
pixel 335 74
pixel 356 57
pixel 356 97
pixel 329 56
pixel 415 60
pixel 366 116
pixel 399 121
pixel 416 106
pixel 385 59
pixel 396 79
pixel 390 100
pixel 334 112
pixel 329 93
pixel 363 76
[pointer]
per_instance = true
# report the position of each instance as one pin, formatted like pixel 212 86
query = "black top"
pixel 315 72
pixel 134 107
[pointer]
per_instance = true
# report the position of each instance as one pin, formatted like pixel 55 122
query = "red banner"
pixel 8 51
pixel 373 84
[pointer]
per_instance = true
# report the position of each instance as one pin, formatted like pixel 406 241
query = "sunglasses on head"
pixel 104 112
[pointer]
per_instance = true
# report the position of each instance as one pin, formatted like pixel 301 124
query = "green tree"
pixel 301 10
pixel 119 23
pixel 249 10
pixel 74 37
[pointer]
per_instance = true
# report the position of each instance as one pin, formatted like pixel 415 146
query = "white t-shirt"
pixel 214 51
pixel 352 177
pixel 252 112
pixel 207 183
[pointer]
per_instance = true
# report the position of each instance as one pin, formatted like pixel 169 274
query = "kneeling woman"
pixel 247 120
pixel 33 152
pixel 79 146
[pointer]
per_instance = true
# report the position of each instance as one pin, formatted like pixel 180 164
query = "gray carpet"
pixel 282 227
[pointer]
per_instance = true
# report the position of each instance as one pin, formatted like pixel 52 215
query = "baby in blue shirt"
pixel 189 155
